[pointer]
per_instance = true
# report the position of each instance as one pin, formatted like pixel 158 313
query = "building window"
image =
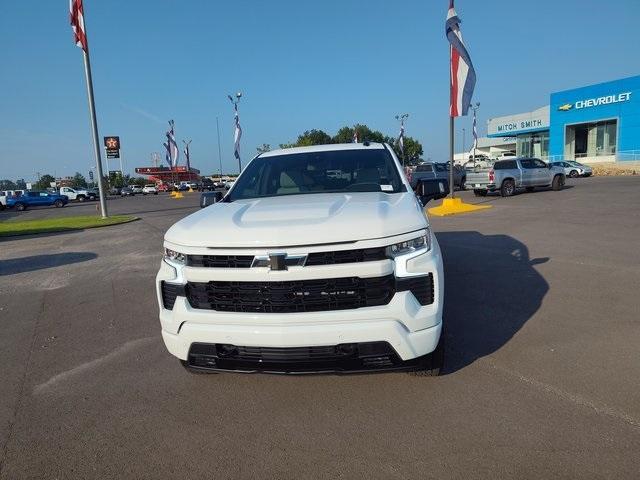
pixel 591 139
pixel 533 145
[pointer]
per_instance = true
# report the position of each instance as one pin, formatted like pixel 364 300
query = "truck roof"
pixel 323 148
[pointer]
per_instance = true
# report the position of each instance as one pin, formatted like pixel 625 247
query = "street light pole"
pixel 464 140
pixel 401 119
pixel 219 150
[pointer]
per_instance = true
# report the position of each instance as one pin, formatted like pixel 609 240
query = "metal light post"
pixel 475 132
pixel 464 141
pixel 401 119
pixel 219 150
pixel 238 130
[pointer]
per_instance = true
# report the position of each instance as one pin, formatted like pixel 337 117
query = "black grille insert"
pixel 220 261
pixel 347 256
pixel 169 293
pixel 292 296
pixel 421 287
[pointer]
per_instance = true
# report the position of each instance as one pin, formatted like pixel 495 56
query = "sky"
pixel 300 65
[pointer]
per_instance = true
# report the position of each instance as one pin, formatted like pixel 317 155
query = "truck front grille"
pixel 313 259
pixel 291 296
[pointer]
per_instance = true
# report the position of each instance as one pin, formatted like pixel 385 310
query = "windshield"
pixel 366 170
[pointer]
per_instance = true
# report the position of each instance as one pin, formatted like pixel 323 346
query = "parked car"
pixel 183 187
pixel 506 176
pixel 78 194
pixel 127 192
pixel 4 194
pixel 115 190
pixel 428 170
pixel 36 199
pixel 229 183
pixel 574 169
pixel 150 189
pixel 207 184
pixel 135 188
pixel 163 187
pixel 349 259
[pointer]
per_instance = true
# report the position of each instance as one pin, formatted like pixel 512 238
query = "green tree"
pixel 79 181
pixel 412 150
pixel 45 182
pixel 264 148
pixel 140 181
pixel 7 185
pixel 308 138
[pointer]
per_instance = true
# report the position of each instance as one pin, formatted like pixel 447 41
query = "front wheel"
pixel 81 198
pixel 508 188
pixel 573 173
pixel 58 203
pixel 21 207
pixel 480 193
pixel 558 183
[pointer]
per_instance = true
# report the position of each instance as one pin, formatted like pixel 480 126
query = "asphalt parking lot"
pixel 542 375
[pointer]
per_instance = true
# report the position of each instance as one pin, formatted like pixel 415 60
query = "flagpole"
pixel 451 156
pixel 94 130
pixel 219 149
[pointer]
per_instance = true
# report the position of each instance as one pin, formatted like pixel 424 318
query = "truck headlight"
pixel 423 242
pixel 175 257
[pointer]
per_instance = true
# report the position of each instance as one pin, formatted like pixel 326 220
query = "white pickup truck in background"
pixel 77 194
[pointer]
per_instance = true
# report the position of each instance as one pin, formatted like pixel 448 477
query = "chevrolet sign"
pixel 594 102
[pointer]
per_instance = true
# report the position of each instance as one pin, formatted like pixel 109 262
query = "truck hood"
pixel 307 219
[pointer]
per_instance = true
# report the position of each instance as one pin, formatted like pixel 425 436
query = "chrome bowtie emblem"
pixel 279 261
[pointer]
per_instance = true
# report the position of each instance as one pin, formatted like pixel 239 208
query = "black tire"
pixel 92 197
pixel 432 363
pixel 155 193
pixel 58 204
pixel 2 207
pixel 574 174
pixel 195 371
pixel 507 188
pixel 480 193
pixel 558 183
pixel 21 207
pixel 530 189
pixel 81 198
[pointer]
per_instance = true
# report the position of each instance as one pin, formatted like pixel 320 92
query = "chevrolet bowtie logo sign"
pixel 278 261
pixel 565 107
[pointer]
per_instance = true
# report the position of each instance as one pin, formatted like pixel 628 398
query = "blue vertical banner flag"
pixel 171 147
pixel 462 73
pixel 237 135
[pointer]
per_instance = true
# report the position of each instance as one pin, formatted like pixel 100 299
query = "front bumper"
pixel 410 329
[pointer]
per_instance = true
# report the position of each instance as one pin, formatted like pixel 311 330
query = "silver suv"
pixel 506 176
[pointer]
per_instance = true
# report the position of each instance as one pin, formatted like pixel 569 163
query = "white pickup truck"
pixel 319 259
pixel 78 194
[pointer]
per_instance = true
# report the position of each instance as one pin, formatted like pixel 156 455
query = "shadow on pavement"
pixel 491 291
pixel 39 262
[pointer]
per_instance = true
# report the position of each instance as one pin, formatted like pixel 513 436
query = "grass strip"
pixel 16 226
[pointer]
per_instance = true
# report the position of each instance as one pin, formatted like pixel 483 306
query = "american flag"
pixel 401 137
pixel 463 75
pixel 171 146
pixel 237 134
pixel 355 135
pixel 76 17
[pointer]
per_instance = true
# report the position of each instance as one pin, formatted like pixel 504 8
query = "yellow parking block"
pixel 455 206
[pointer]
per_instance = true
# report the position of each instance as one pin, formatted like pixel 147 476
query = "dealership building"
pixel 597 123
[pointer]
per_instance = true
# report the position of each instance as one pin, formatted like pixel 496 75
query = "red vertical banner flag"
pixel 76 17
pixel 463 75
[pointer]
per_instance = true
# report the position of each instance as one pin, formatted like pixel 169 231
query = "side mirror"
pixel 432 189
pixel 209 198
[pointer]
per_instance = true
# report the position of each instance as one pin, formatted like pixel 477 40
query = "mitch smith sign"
pixel 595 102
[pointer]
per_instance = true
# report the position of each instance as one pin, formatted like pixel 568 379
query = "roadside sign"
pixel 29 186
pixel 112 146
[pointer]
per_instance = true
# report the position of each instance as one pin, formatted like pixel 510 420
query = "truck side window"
pixel 527 163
